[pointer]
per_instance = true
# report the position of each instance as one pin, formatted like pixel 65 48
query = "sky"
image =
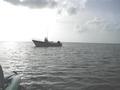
pixel 94 21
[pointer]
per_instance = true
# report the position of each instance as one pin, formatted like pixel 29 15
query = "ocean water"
pixel 75 66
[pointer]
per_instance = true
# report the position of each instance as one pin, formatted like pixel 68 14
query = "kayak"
pixel 13 83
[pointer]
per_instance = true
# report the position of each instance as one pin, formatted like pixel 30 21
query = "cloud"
pixel 98 25
pixel 90 25
pixel 70 6
pixel 73 6
pixel 111 6
pixel 33 3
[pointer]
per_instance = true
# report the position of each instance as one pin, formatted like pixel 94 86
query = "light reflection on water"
pixel 71 67
pixel 12 56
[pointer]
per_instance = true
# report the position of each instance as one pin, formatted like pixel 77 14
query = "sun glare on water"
pixel 9 45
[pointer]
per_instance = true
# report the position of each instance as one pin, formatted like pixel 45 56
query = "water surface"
pixel 75 66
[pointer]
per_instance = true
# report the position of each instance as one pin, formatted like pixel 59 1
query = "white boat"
pixel 47 43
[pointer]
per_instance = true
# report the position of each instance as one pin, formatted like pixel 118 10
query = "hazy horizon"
pixel 89 21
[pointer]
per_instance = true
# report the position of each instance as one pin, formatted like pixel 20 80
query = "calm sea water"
pixel 75 66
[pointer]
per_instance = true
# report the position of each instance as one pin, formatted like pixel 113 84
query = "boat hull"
pixel 46 44
pixel 14 83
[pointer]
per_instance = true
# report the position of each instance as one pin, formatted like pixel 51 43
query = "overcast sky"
pixel 64 20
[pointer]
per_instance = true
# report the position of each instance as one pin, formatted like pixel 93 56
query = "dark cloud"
pixel 34 3
pixel 72 10
pixel 70 6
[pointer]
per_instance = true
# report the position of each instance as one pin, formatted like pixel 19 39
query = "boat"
pixel 47 43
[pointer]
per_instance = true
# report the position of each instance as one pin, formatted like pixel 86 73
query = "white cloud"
pixel 98 25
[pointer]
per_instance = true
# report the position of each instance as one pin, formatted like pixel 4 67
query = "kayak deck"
pixel 14 83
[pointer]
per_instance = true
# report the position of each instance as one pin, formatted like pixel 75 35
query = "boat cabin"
pixel 46 39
